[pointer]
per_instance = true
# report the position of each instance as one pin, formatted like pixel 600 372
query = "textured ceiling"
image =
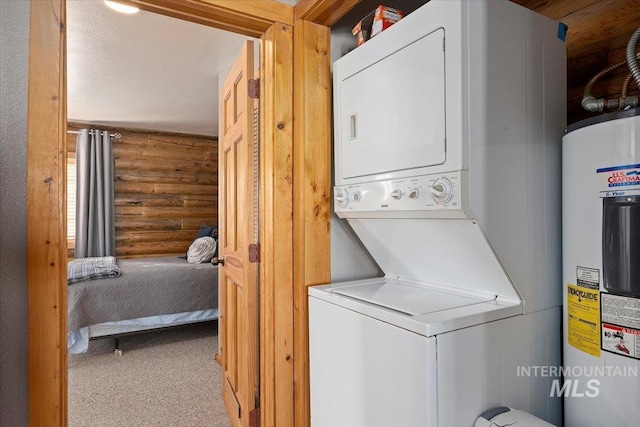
pixel 144 71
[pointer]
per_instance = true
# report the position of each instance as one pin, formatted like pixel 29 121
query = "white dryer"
pixel 448 129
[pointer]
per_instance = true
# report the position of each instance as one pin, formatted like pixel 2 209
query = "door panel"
pixel 237 277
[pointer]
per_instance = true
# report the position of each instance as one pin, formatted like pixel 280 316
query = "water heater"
pixel 601 270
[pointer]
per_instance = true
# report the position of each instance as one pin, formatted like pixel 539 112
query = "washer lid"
pixel 424 308
pixel 451 253
pixel 413 300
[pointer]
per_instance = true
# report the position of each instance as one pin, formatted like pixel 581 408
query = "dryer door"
pixel 392 112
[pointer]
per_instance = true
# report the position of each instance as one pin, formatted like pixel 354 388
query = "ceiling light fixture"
pixel 122 8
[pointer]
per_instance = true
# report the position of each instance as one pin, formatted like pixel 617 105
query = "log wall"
pixel 166 186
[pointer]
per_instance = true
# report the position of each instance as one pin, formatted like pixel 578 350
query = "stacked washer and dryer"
pixel 447 145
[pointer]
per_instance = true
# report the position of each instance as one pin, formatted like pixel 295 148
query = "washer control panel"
pixel 428 192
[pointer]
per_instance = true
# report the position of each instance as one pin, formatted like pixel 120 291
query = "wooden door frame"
pixel 294 192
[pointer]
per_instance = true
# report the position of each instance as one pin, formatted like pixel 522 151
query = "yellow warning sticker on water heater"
pixel 583 319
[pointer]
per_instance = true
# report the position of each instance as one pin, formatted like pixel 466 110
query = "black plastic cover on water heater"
pixel 621 244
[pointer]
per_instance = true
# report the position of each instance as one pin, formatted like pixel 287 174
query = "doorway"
pixel 273 22
pixel 155 83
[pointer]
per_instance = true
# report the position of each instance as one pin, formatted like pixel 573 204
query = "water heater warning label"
pixel 623 341
pixel 583 318
pixel 621 325
pixel 618 181
pixel 588 277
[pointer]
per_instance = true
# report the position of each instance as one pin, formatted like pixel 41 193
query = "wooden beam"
pixel 323 12
pixel 250 18
pixel 276 230
pixel 155 235
pixel 312 185
pixel 150 249
pixel 46 207
pixel 268 11
pixel 161 188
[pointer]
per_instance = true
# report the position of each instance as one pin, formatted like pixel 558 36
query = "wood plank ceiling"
pixel 598 34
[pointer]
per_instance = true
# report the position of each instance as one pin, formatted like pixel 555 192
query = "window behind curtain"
pixel 71 200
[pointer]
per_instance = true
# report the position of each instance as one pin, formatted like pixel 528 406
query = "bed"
pixel 149 293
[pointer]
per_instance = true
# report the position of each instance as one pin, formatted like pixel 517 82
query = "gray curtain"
pixel 95 216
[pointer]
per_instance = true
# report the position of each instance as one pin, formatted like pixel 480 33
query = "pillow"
pixel 205 230
pixel 201 250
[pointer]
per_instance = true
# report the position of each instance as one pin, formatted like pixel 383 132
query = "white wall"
pixel 14 50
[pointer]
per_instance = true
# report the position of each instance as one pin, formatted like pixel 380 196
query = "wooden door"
pixel 237 231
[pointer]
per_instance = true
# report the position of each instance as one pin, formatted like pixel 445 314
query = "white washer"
pixel 447 168
pixel 386 352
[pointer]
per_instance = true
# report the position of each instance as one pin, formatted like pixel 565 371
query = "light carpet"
pixel 167 378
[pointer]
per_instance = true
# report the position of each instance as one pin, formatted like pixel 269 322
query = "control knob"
pixel 396 194
pixel 342 198
pixel 441 191
pixel 414 193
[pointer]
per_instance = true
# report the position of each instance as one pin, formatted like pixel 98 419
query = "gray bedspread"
pixel 146 287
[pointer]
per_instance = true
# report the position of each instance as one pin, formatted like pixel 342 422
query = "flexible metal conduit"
pixel 590 103
pixel 625 86
pixel 631 57
pixel 594 79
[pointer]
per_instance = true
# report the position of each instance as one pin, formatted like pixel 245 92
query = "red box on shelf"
pixel 376 22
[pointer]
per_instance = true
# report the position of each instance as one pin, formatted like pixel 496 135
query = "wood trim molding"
pixel 268 11
pixel 323 12
pixel 46 207
pixel 276 228
pixel 250 18
pixel 312 190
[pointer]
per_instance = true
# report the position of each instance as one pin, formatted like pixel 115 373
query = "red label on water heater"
pixel 619 181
